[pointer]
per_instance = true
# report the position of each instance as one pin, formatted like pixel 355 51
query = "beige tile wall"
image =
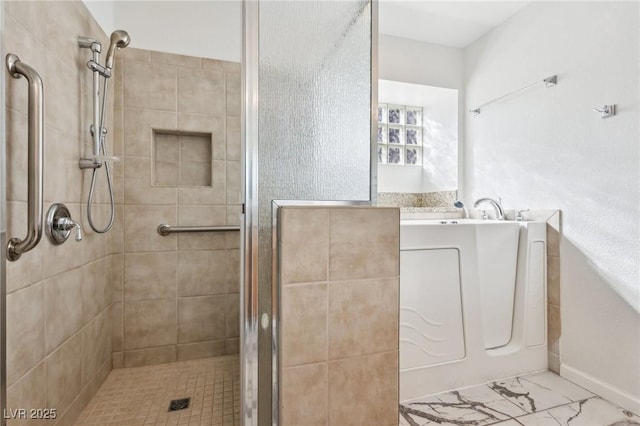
pixel 58 297
pixel 182 159
pixel 180 294
pixel 339 284
pixel 554 324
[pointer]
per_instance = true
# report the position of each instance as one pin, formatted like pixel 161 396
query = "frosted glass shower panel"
pixel 315 97
pixel 314 123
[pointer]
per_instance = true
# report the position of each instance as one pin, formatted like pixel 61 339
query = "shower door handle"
pixel 35 140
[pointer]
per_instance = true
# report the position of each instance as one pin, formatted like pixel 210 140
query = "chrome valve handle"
pixel 59 225
pixel 66 224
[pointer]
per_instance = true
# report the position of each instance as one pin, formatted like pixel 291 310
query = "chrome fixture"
pixel 606 111
pixel 520 216
pixel 548 82
pixel 119 40
pixel 164 229
pixel 460 205
pixel 59 225
pixel 35 142
pixel 496 206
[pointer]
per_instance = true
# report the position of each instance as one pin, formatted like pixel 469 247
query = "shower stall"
pixel 115 149
pixel 164 309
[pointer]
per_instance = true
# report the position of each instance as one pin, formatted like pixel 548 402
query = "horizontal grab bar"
pixel 164 229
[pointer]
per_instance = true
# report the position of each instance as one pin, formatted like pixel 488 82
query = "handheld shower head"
pixel 119 40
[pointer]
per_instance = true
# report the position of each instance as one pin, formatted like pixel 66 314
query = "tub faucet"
pixel 496 206
pixel 460 205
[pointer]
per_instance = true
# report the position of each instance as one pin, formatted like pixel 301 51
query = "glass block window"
pixel 382 154
pixel 399 134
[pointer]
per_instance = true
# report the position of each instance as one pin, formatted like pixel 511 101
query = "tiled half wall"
pixel 178 120
pixel 554 324
pixel 339 288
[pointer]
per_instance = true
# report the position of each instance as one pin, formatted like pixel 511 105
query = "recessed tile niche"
pixel 182 158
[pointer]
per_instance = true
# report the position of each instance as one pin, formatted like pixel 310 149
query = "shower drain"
pixel 179 404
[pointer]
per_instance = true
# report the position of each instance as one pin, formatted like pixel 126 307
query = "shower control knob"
pixel 66 224
pixel 59 224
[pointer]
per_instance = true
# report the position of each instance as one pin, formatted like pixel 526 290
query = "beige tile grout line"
pixel 316 363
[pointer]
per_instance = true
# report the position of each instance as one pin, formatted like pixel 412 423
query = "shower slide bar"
pixel 164 229
pixel 35 139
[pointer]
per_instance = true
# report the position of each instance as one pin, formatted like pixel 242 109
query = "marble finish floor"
pixel 141 395
pixel 539 399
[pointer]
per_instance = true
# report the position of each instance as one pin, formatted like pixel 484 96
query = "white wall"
pixel 411 61
pixel 102 11
pixel 416 62
pixel 439 171
pixel 546 148
pixel 208 29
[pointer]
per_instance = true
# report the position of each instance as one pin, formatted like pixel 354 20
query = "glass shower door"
pixel 308 95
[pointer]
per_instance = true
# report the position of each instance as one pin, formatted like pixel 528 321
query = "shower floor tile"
pixel 142 395
pixel 538 399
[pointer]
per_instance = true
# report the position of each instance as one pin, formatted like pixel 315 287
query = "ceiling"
pixel 449 23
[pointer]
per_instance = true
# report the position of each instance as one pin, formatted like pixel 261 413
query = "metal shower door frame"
pixel 3 232
pixel 249 222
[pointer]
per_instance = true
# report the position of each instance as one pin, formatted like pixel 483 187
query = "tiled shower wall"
pixel 58 322
pixel 178 118
pixel 339 285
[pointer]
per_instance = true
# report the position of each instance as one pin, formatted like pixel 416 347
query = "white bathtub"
pixel 472 303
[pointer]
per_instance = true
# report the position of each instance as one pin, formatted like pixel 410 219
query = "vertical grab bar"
pixel 35 213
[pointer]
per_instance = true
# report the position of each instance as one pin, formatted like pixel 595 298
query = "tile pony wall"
pixel 339 283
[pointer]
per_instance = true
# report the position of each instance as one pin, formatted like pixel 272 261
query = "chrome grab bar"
pixel 164 229
pixel 35 138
